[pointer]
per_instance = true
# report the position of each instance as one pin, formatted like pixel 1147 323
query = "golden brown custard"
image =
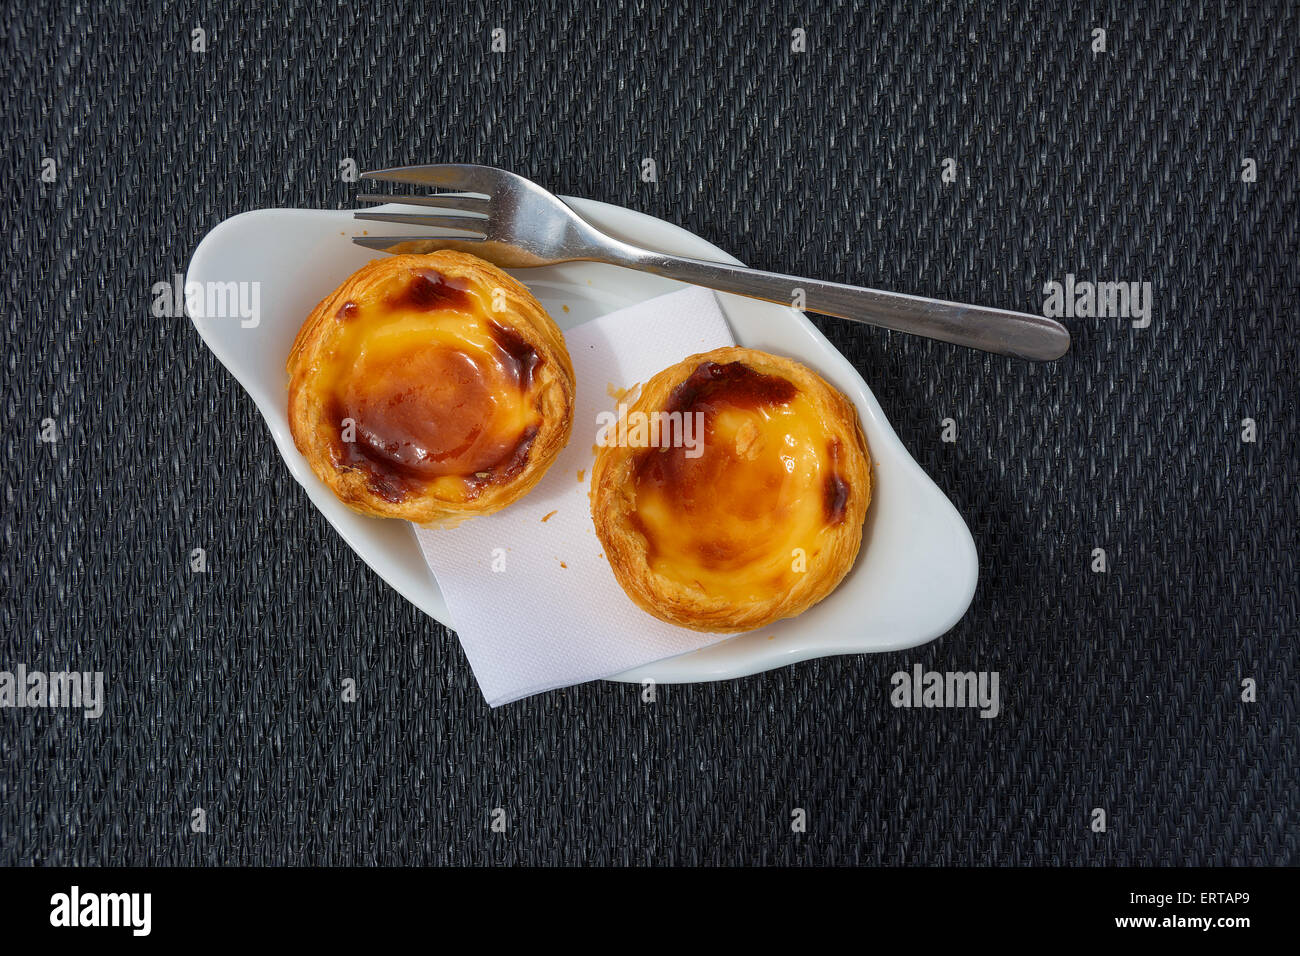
pixel 743 519
pixel 425 390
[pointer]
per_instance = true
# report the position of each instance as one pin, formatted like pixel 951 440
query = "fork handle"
pixel 992 330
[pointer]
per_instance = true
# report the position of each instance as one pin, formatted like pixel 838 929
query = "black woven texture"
pixel 1120 690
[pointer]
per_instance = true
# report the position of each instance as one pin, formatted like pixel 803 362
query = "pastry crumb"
pixel 547 517
pixel 747 441
pixel 563 565
pixel 628 395
pixel 581 473
pixel 565 308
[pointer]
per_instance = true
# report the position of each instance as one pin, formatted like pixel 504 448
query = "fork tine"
pixel 459 176
pixel 465 201
pixel 471 223
pixel 408 243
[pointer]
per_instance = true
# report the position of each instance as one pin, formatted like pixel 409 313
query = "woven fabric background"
pixel 1120 690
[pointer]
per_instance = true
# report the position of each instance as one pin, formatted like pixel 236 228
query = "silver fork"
pixel 514 223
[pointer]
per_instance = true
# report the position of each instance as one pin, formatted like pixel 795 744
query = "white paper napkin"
pixel 551 614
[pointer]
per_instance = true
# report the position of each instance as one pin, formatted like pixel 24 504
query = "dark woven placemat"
pixel 1120 690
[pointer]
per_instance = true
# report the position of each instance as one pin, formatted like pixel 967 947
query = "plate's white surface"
pixel 917 571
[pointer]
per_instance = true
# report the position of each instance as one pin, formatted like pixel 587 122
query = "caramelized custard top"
pixel 424 389
pixel 744 518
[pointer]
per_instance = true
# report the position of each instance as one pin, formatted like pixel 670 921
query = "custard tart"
pixel 735 493
pixel 430 388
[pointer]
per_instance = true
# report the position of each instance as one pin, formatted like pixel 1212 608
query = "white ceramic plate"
pixel 917 571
